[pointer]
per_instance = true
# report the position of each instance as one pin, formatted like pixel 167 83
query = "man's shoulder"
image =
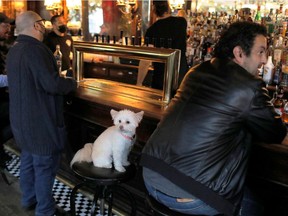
pixel 51 34
pixel 68 36
pixel 174 20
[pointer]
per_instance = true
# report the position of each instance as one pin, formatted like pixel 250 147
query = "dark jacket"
pixel 36 97
pixel 203 142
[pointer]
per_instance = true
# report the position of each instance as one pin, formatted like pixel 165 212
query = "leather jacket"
pixel 203 142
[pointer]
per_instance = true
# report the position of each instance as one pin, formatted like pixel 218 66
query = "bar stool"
pixel 105 182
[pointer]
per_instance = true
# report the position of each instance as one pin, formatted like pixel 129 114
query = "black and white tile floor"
pixel 60 190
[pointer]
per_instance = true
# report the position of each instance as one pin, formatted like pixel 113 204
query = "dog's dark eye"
pixel 119 121
pixel 127 122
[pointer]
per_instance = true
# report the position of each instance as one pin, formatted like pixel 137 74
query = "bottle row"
pixel 280 104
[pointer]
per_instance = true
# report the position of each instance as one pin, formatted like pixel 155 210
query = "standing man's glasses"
pixel 41 22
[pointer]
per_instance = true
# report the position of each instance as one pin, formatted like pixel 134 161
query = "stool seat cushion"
pixel 105 176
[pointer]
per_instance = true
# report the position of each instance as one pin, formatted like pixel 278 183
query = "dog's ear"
pixel 113 113
pixel 139 116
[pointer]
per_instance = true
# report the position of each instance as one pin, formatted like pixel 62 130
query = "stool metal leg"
pixel 132 200
pixel 72 198
pixel 102 200
pixel 2 170
pixel 109 196
pixel 97 196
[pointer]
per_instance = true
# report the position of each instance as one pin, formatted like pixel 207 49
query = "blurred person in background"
pixel 59 36
pixel 5 130
pixel 168 32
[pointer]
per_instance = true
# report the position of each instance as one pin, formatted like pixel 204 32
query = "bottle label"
pixel 279 111
pixel 277 55
pixel 267 76
pixel 284 68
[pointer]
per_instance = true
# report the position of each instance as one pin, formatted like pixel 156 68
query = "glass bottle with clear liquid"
pixel 58 58
pixel 268 71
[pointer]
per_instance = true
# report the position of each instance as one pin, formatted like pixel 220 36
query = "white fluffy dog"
pixel 114 144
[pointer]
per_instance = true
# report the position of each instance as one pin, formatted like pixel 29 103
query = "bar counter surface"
pixel 270 162
pixel 88 114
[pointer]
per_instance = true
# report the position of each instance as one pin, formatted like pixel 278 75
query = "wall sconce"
pixel 73 4
pixel 177 4
pixel 127 6
pixel 53 4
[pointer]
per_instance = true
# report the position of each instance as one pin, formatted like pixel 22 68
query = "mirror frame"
pixel 171 57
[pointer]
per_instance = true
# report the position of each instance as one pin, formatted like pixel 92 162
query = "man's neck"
pixel 59 34
pixel 165 15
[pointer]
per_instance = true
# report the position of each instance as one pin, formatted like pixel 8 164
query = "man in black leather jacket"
pixel 196 160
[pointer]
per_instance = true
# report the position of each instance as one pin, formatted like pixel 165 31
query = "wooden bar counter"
pixel 88 114
pixel 270 162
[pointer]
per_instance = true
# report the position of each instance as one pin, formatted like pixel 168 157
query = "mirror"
pixel 115 68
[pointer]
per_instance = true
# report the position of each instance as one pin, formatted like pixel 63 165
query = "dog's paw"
pixel 120 168
pixel 102 165
pixel 107 166
pixel 125 163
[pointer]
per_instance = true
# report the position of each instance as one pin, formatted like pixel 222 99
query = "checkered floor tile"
pixel 61 191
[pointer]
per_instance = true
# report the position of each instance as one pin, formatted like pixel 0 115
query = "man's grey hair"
pixel 25 21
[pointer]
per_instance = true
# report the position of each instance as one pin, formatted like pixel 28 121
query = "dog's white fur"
pixel 114 144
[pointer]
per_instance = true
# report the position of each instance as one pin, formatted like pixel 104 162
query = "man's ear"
pixel 238 54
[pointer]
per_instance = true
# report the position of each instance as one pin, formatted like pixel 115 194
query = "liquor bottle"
pixel 278 74
pixel 284 63
pixel 121 38
pixel 261 71
pixel 58 58
pixel 208 55
pixel 269 17
pixel 268 71
pixel 279 15
pixel 258 15
pixel 270 21
pixel 190 51
pixel 146 41
pixel 198 56
pixel 279 102
pixel 278 48
pixel 285 113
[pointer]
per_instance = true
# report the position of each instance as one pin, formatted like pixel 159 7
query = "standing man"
pixel 196 160
pixel 5 130
pixel 168 32
pixel 58 36
pixel 36 112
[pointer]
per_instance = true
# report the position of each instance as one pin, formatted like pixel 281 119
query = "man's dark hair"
pixel 53 18
pixel 160 7
pixel 240 34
